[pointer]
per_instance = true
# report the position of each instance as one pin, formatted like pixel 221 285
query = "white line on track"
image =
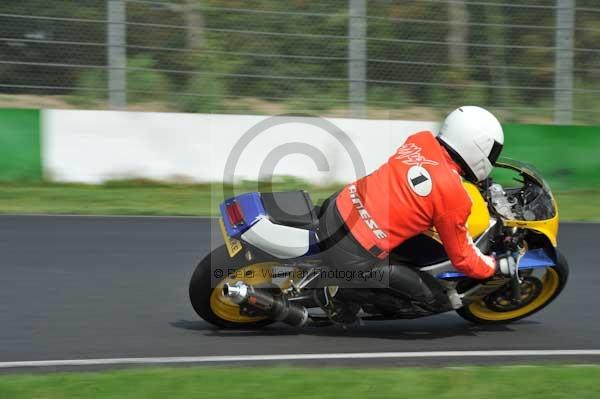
pixel 307 356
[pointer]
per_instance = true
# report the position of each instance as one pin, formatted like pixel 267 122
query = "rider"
pixel 419 187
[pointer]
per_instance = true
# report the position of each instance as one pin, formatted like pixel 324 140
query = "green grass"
pixel 547 382
pixel 130 197
pixel 579 205
pixel 146 198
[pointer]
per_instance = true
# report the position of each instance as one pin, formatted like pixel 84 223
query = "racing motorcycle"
pixel 266 269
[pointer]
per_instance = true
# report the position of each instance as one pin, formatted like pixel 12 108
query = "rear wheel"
pixel 206 288
pixel 537 291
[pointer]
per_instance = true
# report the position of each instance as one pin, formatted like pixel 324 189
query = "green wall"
pixel 20 157
pixel 568 156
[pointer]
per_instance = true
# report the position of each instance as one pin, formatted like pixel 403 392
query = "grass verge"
pixel 144 198
pixel 532 382
pixel 130 197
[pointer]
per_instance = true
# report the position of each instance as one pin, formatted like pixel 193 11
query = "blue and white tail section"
pixel 246 219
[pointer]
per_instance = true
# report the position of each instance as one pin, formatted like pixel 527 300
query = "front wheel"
pixel 206 288
pixel 537 291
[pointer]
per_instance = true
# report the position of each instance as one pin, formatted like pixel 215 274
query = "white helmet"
pixel 474 139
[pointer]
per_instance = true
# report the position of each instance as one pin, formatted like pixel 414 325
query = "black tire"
pixel 201 289
pixel 561 268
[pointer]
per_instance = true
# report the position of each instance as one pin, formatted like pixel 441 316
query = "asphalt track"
pixel 116 287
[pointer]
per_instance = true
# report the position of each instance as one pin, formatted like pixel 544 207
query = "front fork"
pixel 514 244
pixel 480 291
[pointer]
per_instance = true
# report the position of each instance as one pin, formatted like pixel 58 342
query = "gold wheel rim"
pixel 549 287
pixel 223 307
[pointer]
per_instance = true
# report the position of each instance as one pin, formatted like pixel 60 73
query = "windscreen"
pixel 519 192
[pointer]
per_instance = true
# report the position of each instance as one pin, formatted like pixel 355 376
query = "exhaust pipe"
pixel 275 307
pixel 237 292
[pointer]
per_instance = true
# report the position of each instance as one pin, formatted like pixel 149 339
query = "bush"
pixel 142 84
pixel 203 94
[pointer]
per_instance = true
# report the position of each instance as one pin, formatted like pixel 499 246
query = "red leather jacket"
pixel 418 188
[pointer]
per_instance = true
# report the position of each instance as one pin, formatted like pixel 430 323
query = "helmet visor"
pixel 495 152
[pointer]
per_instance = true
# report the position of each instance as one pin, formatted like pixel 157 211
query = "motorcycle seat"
pixel 291 208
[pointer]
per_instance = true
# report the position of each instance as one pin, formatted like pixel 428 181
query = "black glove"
pixel 506 264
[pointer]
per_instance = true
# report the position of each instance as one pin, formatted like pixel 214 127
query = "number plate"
pixel 233 246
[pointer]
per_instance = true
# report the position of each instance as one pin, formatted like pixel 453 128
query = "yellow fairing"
pixel 479 220
pixel 480 216
pixel 549 227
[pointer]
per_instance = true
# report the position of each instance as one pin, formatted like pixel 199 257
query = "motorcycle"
pixel 270 259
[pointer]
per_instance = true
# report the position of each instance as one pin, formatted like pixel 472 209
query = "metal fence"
pixel 529 61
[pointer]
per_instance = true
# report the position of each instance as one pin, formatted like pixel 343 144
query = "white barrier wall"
pixel 95 146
